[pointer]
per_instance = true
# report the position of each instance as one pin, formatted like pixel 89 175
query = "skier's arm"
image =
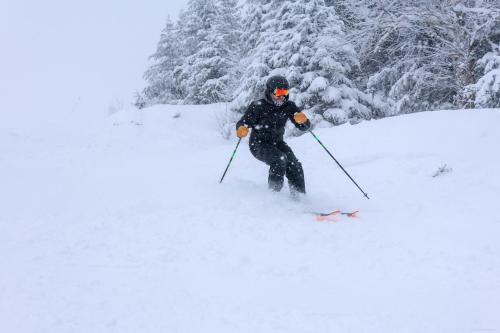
pixel 299 119
pixel 249 119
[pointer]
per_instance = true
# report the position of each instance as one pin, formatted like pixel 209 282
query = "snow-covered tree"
pixel 229 28
pixel 195 59
pixel 252 22
pixel 161 87
pixel 346 59
pixel 485 93
pixel 479 33
pixel 347 11
pixel 209 28
pixel 422 54
pixel 195 25
pixel 305 42
pixel 251 68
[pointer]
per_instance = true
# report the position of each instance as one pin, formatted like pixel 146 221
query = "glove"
pixel 242 131
pixel 300 118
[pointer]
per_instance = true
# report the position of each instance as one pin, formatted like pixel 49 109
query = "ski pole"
pixel 348 175
pixel 232 156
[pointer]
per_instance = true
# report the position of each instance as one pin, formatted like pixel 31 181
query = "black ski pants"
pixel 282 162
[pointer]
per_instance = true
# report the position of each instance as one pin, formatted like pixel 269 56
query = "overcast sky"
pixel 59 54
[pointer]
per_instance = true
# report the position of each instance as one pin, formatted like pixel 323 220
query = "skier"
pixel 267 118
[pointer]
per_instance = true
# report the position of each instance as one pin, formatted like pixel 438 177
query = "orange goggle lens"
pixel 280 92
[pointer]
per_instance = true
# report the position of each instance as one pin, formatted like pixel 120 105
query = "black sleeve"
pixel 293 110
pixel 249 119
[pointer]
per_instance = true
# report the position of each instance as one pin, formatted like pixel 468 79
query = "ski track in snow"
pixel 122 226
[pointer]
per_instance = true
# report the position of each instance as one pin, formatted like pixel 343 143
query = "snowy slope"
pixel 121 226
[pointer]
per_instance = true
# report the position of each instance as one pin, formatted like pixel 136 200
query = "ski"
pixel 332 216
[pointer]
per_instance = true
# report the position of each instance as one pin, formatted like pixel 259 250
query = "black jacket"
pixel 268 121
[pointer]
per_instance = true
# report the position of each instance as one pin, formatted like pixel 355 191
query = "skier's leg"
pixel 295 175
pixel 277 161
pixel 294 170
pixel 277 171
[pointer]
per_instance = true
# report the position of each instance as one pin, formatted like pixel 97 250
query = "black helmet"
pixel 276 81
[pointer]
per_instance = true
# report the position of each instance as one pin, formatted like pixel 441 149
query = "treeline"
pixel 346 60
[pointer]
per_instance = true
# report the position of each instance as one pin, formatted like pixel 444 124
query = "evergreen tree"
pixel 253 12
pixel 161 87
pixel 305 42
pixel 347 11
pixel 485 93
pixel 476 37
pixel 345 59
pixel 209 28
pixel 229 28
pixel 251 69
pixel 422 54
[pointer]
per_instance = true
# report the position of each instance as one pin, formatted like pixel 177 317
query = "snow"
pixel 318 84
pixel 121 225
pixel 487 86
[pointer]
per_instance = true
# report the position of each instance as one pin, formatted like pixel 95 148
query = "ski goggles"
pixel 278 92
